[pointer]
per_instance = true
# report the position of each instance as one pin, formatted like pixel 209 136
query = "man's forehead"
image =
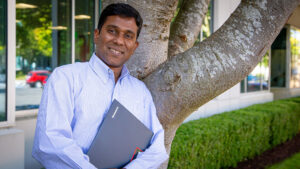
pixel 126 23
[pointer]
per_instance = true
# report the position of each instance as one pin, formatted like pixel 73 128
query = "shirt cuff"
pixel 133 165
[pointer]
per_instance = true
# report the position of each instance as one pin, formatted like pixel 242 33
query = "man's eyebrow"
pixel 116 27
pixel 112 26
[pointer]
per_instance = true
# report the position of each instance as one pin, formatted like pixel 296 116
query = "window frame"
pixel 288 57
pixel 10 64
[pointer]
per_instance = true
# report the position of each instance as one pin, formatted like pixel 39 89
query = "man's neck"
pixel 117 73
pixel 116 70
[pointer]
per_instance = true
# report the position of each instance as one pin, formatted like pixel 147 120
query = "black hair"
pixel 123 10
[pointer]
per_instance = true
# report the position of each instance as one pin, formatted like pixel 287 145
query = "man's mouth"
pixel 115 51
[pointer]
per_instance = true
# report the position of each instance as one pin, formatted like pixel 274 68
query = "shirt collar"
pixel 103 71
pixel 124 72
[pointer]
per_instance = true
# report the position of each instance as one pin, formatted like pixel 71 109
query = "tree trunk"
pixel 187 25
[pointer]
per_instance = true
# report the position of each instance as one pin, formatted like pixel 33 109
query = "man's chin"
pixel 114 65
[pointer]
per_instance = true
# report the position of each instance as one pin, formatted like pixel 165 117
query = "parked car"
pixel 37 78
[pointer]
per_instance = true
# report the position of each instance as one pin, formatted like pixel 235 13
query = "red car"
pixel 37 78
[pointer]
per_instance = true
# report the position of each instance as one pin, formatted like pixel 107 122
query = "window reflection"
pixel 3 53
pixel 254 79
pixel 43 43
pixel 278 60
pixel 295 57
pixel 265 71
pixel 84 29
pixel 258 79
pixel 243 86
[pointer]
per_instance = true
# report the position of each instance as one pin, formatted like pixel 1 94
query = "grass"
pixel 291 163
pixel 223 140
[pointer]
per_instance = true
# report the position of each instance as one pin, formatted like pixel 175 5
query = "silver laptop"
pixel 120 137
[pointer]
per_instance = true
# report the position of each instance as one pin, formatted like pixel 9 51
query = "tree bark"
pixel 187 25
pixel 154 37
pixel 190 79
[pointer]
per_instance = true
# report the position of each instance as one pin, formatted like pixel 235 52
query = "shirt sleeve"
pixel 156 154
pixel 54 146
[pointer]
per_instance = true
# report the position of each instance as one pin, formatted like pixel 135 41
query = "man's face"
pixel 116 41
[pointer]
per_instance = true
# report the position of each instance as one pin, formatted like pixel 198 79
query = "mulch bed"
pixel 272 156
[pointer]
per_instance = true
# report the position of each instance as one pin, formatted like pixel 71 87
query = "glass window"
pixel 84 29
pixel 258 79
pixel 278 60
pixel 295 57
pixel 265 71
pixel 243 89
pixel 254 79
pixel 3 58
pixel 43 43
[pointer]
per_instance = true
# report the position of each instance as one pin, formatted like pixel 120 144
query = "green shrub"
pixel 223 140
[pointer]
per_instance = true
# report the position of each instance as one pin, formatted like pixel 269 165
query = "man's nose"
pixel 119 40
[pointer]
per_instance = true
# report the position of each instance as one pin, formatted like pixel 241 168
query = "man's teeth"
pixel 115 51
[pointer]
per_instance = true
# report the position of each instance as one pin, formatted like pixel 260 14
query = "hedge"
pixel 223 140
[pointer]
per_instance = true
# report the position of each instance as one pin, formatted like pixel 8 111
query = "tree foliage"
pixel 34 33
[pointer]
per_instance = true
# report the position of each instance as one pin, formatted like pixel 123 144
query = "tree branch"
pixel 186 27
pixel 190 79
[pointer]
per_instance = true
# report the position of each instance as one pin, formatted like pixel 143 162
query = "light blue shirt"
pixel 75 100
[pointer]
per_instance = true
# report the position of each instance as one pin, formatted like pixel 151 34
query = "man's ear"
pixel 96 35
pixel 136 44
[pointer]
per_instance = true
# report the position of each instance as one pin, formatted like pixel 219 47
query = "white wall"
pixel 217 105
pixel 12 149
pixel 294 18
pixel 26 121
pixel 222 10
pixel 283 93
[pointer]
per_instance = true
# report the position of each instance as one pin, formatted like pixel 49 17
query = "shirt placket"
pixel 116 86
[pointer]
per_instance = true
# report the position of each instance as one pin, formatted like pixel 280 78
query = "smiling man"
pixel 77 97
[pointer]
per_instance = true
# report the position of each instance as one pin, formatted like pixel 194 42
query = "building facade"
pixel 37 36
pixel 275 77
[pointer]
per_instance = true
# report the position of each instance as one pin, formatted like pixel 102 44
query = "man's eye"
pixel 111 31
pixel 128 36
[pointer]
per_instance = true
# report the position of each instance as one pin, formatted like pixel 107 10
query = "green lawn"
pixel 291 163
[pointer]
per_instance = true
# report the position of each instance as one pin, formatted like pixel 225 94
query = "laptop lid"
pixel 118 139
